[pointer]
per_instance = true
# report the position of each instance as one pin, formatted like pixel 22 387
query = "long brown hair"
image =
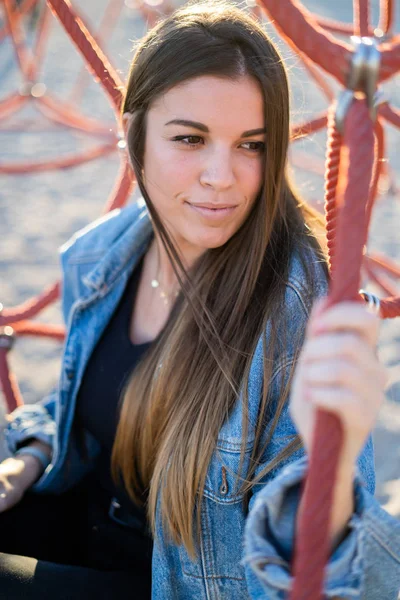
pixel 183 390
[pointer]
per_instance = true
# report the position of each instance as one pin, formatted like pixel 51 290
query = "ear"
pixel 126 121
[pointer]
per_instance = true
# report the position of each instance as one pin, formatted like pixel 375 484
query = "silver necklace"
pixel 155 283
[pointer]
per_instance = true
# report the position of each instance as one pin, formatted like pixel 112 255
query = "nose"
pixel 218 170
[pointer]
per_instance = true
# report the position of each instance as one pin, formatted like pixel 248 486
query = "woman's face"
pixel 205 144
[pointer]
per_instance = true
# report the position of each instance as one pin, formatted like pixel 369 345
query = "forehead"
pixel 214 101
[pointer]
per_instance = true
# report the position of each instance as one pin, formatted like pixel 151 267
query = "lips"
pixel 213 206
pixel 216 212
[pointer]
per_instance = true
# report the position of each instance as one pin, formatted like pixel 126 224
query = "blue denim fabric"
pixel 96 264
pixel 366 565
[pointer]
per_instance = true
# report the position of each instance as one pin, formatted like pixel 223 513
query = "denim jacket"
pixel 242 553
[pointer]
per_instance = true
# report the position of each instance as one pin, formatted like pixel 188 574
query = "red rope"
pixel 27 328
pixel 24 56
pixel 386 16
pixel 9 383
pixel 312 544
pixel 390 308
pixel 32 307
pixel 378 167
pixel 67 162
pixel 19 11
pixel 104 32
pixel 318 78
pixel 301 31
pixel 103 72
pixel 390 114
pixel 303 129
pixel 10 105
pixel 361 17
pixel 123 187
pixel 388 288
pixel 351 163
pixel 383 263
pixel 96 60
pixel 331 181
pixel 61 113
pixel 339 27
pixel 43 28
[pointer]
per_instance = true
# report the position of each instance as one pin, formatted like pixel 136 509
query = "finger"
pixel 344 375
pixel 319 307
pixel 351 316
pixel 339 345
pixel 3 498
pixel 347 405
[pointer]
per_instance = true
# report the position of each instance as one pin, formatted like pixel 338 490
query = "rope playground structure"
pixel 355 166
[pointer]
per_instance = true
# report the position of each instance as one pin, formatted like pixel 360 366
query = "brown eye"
pixel 255 146
pixel 189 140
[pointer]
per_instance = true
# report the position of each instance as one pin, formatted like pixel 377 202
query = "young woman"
pixel 191 307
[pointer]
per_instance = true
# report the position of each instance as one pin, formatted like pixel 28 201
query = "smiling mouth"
pixel 212 213
pixel 205 210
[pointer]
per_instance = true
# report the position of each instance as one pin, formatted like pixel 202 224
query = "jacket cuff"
pixel 269 538
pixel 29 421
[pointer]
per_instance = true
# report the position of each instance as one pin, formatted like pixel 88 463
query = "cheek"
pixel 169 168
pixel 251 177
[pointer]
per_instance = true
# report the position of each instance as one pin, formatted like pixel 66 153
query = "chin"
pixel 212 241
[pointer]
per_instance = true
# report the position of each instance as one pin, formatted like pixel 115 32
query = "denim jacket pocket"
pixel 223 515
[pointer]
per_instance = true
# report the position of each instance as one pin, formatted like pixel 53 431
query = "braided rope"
pixel 357 159
pixel 301 31
pixel 361 17
pixel 354 164
pixel 96 60
pixel 24 56
pixel 334 144
pixel 8 381
pixel 303 129
pixel 32 307
pixel 390 308
pixel 386 16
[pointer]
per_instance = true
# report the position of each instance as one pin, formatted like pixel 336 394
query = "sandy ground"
pixel 40 212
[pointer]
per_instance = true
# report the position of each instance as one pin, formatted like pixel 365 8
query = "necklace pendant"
pixel 155 283
pixel 164 297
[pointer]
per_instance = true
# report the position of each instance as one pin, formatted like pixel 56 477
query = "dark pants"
pixel 67 548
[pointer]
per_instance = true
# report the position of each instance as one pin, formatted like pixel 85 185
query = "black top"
pixel 106 373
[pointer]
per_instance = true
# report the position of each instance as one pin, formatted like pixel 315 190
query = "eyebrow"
pixel 204 128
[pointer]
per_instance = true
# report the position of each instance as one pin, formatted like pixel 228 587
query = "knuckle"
pixel 343 372
pixel 348 344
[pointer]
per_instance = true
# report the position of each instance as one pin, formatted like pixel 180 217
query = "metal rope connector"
pixel 7 337
pixel 374 303
pixel 363 77
pixel 121 144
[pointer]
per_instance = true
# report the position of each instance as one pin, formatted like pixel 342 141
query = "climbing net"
pixel 355 166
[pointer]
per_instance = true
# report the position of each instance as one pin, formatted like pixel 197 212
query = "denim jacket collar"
pixel 124 253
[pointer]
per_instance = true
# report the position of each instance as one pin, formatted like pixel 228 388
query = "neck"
pixel 162 267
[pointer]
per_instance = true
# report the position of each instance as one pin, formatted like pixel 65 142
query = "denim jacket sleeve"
pixel 32 421
pixel 38 420
pixel 365 566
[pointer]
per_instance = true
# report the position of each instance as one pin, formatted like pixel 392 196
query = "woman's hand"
pixel 338 370
pixel 16 476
